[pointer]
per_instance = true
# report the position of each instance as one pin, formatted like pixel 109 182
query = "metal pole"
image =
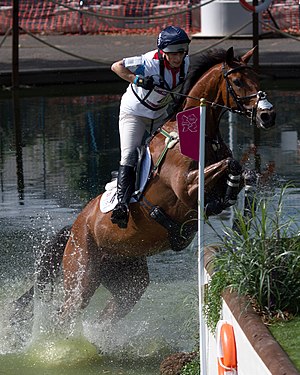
pixel 81 31
pixel 256 62
pixel 19 144
pixel 255 25
pixel 15 46
pixel 201 265
pixel 189 15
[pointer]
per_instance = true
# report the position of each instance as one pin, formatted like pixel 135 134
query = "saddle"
pixel 109 199
pixel 179 237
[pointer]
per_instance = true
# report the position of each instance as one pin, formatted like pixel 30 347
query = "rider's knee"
pixel 129 158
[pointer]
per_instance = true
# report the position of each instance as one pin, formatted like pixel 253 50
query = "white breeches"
pixel 132 129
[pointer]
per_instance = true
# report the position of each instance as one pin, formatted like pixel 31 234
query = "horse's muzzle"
pixel 265 118
pixel 265 113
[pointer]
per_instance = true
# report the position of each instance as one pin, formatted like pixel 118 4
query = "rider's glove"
pixel 144 82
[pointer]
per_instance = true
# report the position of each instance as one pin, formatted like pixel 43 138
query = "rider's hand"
pixel 144 82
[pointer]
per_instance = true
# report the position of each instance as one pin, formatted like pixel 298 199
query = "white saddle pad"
pixel 109 199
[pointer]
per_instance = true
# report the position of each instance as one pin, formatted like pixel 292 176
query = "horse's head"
pixel 241 92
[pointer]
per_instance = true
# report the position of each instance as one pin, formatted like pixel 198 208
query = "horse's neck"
pixel 209 87
pixel 175 191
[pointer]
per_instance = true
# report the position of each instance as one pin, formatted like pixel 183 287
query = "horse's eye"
pixel 237 82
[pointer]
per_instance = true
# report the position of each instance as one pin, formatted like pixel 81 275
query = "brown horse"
pixel 98 252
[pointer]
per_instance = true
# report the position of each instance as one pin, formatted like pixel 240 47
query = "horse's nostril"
pixel 267 119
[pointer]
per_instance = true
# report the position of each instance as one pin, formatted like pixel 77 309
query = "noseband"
pixel 240 100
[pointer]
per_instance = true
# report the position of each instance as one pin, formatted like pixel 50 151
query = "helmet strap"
pixel 162 69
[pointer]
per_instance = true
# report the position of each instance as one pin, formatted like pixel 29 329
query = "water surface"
pixel 52 162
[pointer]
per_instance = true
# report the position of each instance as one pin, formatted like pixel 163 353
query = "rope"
pixel 5 36
pixel 212 104
pixel 221 40
pixel 107 19
pixel 279 31
pixel 106 62
pixel 237 31
pixel 146 18
pixel 100 62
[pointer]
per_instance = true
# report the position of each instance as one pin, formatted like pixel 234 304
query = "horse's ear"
pixel 247 56
pixel 229 56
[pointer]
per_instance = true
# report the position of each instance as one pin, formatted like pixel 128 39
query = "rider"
pixel 144 104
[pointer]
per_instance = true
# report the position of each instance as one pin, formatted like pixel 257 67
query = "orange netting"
pixel 284 15
pixel 127 16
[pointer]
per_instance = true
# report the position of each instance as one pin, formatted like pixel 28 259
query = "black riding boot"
pixel 125 188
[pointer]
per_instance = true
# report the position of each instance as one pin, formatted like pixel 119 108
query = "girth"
pixel 179 235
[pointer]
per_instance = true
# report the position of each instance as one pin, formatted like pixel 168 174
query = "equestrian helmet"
pixel 173 39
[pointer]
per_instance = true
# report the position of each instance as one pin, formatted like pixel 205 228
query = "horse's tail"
pixel 48 268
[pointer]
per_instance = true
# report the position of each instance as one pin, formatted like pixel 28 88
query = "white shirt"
pixel 148 65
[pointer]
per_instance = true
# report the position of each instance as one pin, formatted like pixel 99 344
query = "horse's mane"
pixel 201 64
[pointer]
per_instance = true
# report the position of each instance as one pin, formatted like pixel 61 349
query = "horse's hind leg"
pixel 127 280
pixel 19 306
pixel 48 268
pixel 86 266
pixel 49 264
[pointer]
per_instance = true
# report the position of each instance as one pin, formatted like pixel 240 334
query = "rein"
pixel 214 104
pixel 260 95
pixel 172 138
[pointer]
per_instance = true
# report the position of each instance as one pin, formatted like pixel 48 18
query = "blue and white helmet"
pixel 173 39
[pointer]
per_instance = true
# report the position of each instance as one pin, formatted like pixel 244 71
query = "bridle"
pixel 261 97
pixel 240 100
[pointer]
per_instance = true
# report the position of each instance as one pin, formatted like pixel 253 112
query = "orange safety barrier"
pixel 128 16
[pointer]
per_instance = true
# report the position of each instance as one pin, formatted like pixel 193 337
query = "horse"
pixel 96 252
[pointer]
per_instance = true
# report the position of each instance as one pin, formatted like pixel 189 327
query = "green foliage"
pixel 191 368
pixel 287 335
pixel 259 258
pixel 191 302
pixel 212 299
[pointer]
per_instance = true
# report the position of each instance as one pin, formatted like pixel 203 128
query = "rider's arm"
pixel 124 73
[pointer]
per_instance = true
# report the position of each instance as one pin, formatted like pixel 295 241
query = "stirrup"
pixel 120 215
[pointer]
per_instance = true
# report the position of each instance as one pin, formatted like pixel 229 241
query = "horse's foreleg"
pixel 233 183
pixel 214 189
pixel 219 193
pixel 127 280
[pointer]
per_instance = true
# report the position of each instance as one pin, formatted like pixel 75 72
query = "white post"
pixel 201 278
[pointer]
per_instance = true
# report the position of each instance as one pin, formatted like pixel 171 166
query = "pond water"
pixel 57 150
